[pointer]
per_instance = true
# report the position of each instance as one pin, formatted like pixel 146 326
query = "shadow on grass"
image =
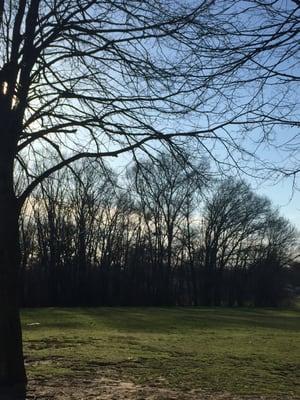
pixel 167 319
pixel 163 320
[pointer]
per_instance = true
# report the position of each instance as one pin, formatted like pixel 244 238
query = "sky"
pixel 284 192
pixel 284 197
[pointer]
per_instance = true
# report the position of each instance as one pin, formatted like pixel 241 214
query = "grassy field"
pixel 240 351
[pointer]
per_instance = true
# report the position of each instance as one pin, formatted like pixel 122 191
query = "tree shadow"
pixel 17 392
pixel 166 319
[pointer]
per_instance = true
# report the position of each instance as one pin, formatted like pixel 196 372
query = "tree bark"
pixel 12 371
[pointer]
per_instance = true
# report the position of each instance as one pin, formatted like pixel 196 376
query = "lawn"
pixel 238 351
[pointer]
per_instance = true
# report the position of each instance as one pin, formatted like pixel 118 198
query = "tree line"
pixel 167 234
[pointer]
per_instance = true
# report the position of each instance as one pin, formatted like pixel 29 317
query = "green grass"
pixel 241 351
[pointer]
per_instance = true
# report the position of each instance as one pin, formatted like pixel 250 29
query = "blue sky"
pixel 284 192
pixel 283 196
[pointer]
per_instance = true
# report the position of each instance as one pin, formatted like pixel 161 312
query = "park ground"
pixel 162 353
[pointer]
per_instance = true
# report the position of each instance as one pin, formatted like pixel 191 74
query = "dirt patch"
pixel 113 389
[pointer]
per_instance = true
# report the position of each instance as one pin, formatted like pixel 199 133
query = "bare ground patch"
pixel 102 388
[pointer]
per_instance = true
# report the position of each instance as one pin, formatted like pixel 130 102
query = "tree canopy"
pixel 89 79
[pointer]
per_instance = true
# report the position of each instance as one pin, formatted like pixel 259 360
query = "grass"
pixel 241 351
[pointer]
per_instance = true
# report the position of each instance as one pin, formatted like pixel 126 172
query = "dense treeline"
pixel 168 234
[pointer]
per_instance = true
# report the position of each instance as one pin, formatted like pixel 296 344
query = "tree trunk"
pixel 12 371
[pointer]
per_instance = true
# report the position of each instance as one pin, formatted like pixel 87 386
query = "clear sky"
pixel 284 192
pixel 283 196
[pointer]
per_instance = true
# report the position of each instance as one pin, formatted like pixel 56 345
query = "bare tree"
pixel 97 79
pixel 234 219
pixel 240 229
pixel 276 252
pixel 165 189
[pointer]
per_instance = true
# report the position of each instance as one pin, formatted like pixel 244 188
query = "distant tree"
pixel 166 189
pixel 276 252
pixel 293 278
pixel 90 188
pixel 242 229
pixel 234 218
